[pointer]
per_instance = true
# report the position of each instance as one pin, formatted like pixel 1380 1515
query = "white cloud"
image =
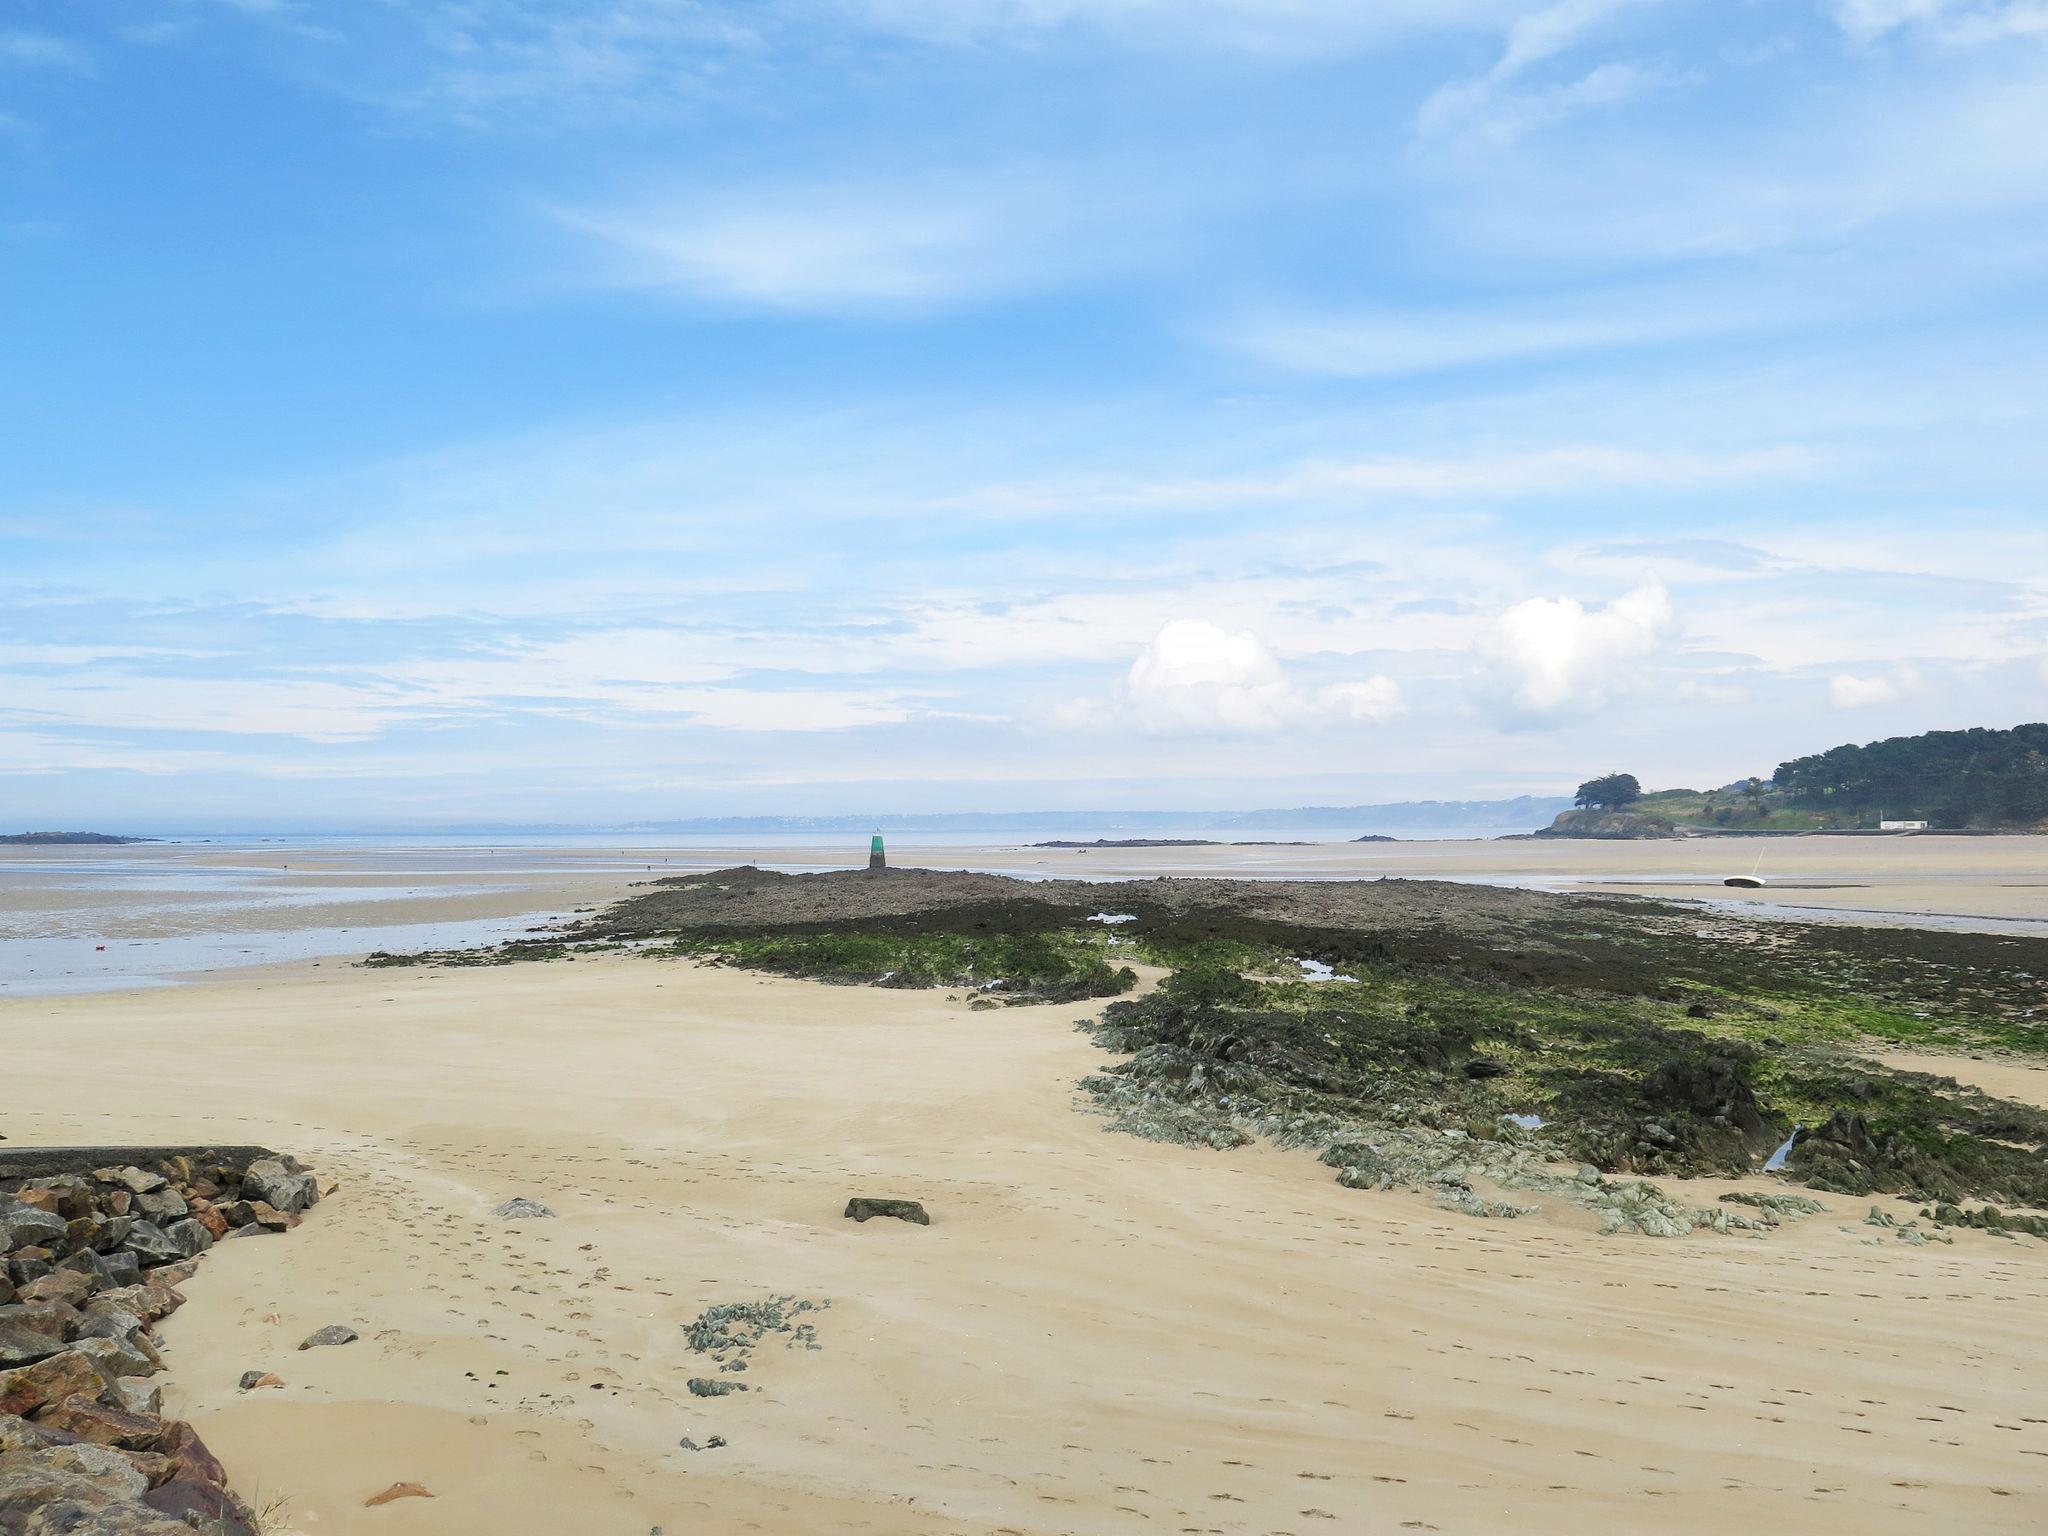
pixel 1492 111
pixel 1846 690
pixel 911 239
pixel 1195 676
pixel 1958 21
pixel 1550 658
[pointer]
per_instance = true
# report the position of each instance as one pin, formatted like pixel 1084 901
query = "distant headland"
pixel 65 839
pixel 1974 781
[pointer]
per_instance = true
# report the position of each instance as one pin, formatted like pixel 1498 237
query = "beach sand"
pixel 1096 1334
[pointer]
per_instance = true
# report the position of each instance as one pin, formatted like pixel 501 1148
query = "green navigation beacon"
pixel 875 858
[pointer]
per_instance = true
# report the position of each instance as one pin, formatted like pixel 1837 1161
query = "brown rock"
pixel 397 1491
pixel 196 1505
pixel 65 1285
pixel 237 1213
pixel 182 1444
pixel 89 1419
pixel 118 1202
pixel 30 1387
pixel 207 1216
pixel 251 1380
pixel 41 1199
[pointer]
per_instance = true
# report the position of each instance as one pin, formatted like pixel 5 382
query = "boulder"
pixel 236 1213
pixel 41 1199
pixel 189 1503
pixel 121 1268
pixel 161 1206
pixel 860 1208
pixel 31 1490
pixel 89 1419
pixel 26 1264
pixel 251 1380
pixel 137 1181
pixel 107 1319
pixel 7 1290
pixel 111 1469
pixel 56 1318
pixel 121 1357
pixel 136 1395
pixel 182 1444
pixel 333 1333
pixel 267 1179
pixel 51 1380
pixel 208 1216
pixel 102 1234
pixel 65 1285
pixel 21 1346
pixel 150 1246
pixel 191 1237
pixel 24 1226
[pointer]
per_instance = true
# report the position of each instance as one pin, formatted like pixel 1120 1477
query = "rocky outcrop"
pixel 93 1245
pixel 860 1208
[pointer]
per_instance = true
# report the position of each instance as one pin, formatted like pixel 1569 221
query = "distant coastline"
pixel 66 839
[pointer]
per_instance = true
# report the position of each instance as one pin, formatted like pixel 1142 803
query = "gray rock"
pixel 333 1333
pixel 23 1226
pixel 22 1346
pixel 114 1472
pixel 521 1209
pixel 150 1245
pixel 162 1206
pixel 267 1179
pixel 121 1268
pixel 111 1233
pixel 701 1386
pixel 190 1237
pixel 132 1394
pixel 116 1358
pixel 860 1208
pixel 137 1181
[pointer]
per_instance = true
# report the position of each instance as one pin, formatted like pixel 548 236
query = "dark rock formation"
pixel 860 1208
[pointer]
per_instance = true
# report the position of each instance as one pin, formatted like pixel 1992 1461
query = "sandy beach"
pixel 1095 1334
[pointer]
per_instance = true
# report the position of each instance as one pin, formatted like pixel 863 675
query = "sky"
pixel 499 411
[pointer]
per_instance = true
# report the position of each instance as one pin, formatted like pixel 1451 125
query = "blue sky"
pixel 489 410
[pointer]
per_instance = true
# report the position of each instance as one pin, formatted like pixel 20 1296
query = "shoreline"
pixel 161 893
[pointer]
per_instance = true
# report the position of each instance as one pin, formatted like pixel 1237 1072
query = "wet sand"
pixel 201 908
pixel 1096 1334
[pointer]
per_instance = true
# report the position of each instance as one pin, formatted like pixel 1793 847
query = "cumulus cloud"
pixel 1846 690
pixel 1550 658
pixel 1195 676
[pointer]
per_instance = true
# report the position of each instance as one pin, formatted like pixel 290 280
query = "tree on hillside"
pixel 1977 777
pixel 1609 792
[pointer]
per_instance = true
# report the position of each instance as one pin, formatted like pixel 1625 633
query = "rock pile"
pixel 93 1254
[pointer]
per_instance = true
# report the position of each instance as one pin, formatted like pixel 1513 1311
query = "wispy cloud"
pixel 1950 21
pixel 1497 107
pixel 21 49
pixel 845 245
